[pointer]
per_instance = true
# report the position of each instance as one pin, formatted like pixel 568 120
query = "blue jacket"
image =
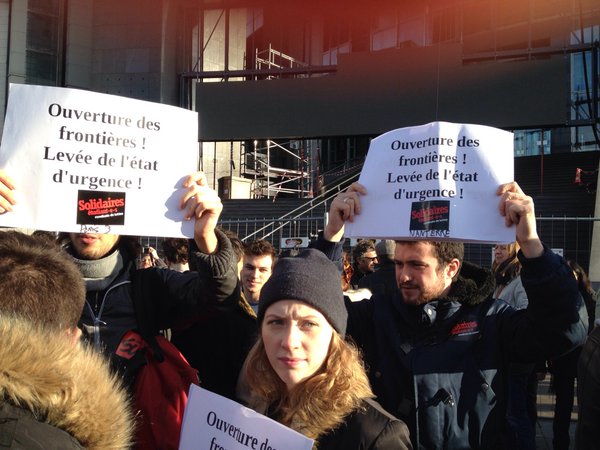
pixel 442 367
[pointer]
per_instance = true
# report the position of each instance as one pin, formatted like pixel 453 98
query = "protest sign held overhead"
pixel 213 422
pixel 436 181
pixel 89 162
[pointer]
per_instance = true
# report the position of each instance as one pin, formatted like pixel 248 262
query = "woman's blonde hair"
pixel 507 270
pixel 318 404
pixel 512 249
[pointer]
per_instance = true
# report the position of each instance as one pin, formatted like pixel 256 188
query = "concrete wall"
pixel 127 39
pixel 372 93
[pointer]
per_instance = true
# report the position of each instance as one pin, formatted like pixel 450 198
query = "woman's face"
pixel 296 338
pixel 500 253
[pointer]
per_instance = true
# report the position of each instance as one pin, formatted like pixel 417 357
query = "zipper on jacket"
pixel 97 319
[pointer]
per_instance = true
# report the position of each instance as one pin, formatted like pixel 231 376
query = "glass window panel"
pixel 532 142
pixel 41 68
pixel 42 32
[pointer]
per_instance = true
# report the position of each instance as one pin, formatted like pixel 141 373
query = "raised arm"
pixel 553 313
pixel 517 208
pixel 202 203
pixel 344 208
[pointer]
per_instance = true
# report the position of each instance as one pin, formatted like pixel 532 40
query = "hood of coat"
pixel 65 385
pixel 473 286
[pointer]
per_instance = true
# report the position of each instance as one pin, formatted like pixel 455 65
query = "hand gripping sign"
pixel 437 182
pixel 90 162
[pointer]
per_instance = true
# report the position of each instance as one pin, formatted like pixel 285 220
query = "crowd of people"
pixel 440 354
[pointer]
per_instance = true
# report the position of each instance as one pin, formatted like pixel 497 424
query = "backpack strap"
pixel 145 285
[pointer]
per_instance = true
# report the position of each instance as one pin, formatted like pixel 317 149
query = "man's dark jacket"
pixel 170 297
pixel 442 367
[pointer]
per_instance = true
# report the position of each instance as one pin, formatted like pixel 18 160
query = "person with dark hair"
pixel 383 280
pixel 107 266
pixel 238 249
pixel 176 254
pixel 439 350
pixel 564 368
pixel 364 261
pixel 216 344
pixel 259 259
pixel 150 258
pixel 55 391
pixel 303 374
pixel 119 297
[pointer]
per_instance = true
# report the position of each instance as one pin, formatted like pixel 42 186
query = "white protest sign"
pixel 89 162
pixel 213 422
pixel 436 181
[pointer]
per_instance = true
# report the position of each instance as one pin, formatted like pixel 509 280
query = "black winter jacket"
pixel 370 428
pixel 217 345
pixel 441 367
pixel 588 394
pixel 170 297
pixel 382 281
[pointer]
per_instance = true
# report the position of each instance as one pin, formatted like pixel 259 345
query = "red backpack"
pixel 157 374
pixel 160 390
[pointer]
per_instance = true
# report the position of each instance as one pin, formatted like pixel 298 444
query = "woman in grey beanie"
pixel 303 374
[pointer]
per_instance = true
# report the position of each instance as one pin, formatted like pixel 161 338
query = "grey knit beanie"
pixel 311 278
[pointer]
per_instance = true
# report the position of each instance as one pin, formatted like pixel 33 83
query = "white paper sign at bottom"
pixel 213 422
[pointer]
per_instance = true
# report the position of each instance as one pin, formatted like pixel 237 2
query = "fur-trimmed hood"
pixel 474 285
pixel 67 386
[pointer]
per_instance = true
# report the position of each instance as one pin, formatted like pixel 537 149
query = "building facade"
pixel 288 92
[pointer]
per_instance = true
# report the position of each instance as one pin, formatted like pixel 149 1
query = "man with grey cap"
pixel 383 280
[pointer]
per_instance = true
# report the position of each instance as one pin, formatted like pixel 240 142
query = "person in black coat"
pixel 564 368
pixel 588 393
pixel 303 374
pixel 383 280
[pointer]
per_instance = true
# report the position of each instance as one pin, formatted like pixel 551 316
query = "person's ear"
pixel 452 268
pixel 73 334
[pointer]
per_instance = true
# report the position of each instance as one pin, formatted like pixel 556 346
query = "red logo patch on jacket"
pixel 465 328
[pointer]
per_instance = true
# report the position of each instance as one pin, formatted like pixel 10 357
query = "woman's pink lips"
pixel 290 361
